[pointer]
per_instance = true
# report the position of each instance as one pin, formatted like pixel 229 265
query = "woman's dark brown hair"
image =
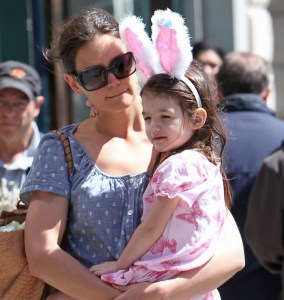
pixel 73 34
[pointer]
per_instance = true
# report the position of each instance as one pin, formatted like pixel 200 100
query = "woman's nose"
pixel 112 80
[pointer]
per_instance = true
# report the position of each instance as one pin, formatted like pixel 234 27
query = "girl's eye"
pixel 165 117
pixel 146 118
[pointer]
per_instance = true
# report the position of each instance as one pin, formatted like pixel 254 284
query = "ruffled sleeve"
pixel 184 175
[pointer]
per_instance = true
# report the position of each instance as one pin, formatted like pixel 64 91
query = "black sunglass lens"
pixel 123 66
pixel 93 79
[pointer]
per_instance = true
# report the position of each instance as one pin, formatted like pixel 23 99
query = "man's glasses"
pixel 95 78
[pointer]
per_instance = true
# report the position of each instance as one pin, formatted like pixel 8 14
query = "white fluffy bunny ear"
pixel 172 43
pixel 171 39
pixel 134 36
pixel 169 51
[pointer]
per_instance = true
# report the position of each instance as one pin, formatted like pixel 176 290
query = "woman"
pixel 111 155
pixel 210 55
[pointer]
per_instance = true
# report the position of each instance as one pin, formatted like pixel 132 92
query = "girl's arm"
pixel 145 235
pixel 45 225
pixel 228 260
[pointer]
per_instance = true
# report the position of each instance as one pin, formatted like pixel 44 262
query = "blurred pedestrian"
pixel 264 223
pixel 253 132
pixel 20 102
pixel 211 55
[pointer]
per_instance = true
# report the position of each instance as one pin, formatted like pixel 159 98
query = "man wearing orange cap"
pixel 20 102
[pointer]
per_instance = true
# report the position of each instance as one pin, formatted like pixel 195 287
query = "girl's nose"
pixel 155 127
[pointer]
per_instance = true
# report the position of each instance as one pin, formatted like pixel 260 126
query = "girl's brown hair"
pixel 209 139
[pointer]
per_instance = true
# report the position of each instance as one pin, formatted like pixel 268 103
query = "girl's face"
pixel 167 127
pixel 117 94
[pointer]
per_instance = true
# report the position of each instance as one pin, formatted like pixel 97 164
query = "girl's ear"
pixel 73 83
pixel 199 118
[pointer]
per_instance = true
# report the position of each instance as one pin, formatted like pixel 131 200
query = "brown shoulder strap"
pixel 67 150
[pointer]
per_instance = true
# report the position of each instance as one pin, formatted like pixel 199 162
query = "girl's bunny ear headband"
pixel 169 51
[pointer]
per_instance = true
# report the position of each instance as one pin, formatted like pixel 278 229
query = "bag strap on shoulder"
pixel 67 149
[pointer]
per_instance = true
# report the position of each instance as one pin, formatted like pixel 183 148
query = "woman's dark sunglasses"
pixel 95 78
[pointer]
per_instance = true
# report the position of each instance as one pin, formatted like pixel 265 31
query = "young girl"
pixel 184 205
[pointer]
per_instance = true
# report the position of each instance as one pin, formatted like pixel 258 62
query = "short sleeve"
pixel 48 171
pixel 184 175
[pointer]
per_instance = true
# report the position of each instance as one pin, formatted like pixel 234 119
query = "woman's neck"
pixel 121 124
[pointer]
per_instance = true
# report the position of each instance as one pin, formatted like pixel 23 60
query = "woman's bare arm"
pixel 228 260
pixel 45 225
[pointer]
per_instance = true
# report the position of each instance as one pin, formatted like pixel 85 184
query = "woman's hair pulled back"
pixel 73 34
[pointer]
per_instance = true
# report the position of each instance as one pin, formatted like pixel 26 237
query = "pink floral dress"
pixel 192 233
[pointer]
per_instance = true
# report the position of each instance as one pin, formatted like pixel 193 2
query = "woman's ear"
pixel 199 118
pixel 73 83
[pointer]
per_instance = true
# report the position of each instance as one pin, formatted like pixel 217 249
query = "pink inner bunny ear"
pixel 167 47
pixel 136 47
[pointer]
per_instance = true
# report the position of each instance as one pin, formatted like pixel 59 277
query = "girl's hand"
pixel 104 268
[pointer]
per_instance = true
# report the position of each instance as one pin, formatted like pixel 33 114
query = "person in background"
pixel 264 223
pixel 20 103
pixel 100 203
pixel 253 132
pixel 210 55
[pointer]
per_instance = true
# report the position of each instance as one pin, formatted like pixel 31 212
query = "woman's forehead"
pixel 99 51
